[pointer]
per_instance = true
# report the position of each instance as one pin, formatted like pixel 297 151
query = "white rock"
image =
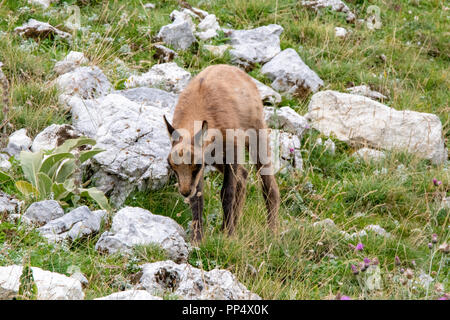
pixel 5 165
pixel 44 3
pixel 164 53
pixel 53 136
pixel 377 230
pixel 326 223
pixel 80 277
pixel 368 154
pixel 340 32
pixel 135 139
pixel 150 97
pixel 76 224
pixel 166 76
pixel 361 121
pixel 330 146
pixel 285 151
pixel 133 226
pixel 364 90
pixel 8 204
pixel 73 60
pixel 38 29
pixel 208 28
pixel 335 5
pixel 217 51
pixel 445 204
pixel 44 211
pixel 256 45
pixel 18 141
pixel 191 283
pixel 268 95
pixel 149 6
pixel 86 82
pixel 130 295
pixel 285 118
pixel 179 34
pixel 50 285
pixel 291 75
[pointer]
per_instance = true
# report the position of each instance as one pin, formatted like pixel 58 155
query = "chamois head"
pixel 186 157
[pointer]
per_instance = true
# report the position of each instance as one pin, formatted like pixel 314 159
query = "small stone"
pixel 44 211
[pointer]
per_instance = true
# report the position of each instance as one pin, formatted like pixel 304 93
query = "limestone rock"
pixel 268 95
pixel 38 29
pixel 256 45
pixel 76 224
pixel 291 75
pixel 44 211
pixel 191 283
pixel 133 226
pixel 86 82
pixel 73 60
pixel 53 136
pixel 50 285
pixel 179 34
pixel 18 141
pixel 134 138
pixel 363 122
pixel 130 295
pixel 166 76
pixel 286 119
pixel 367 92
pixel 150 97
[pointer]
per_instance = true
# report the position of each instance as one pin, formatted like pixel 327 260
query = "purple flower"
pixel 291 150
pixel 366 262
pixel 437 182
pixel 397 261
pixel 434 238
pixel 354 269
pixel 348 298
pixel 359 247
pixel 430 245
pixel 441 298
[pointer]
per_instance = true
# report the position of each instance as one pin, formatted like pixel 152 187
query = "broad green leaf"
pixel 44 185
pixel 59 191
pixel 31 164
pixel 98 197
pixel 4 177
pixel 86 155
pixel 50 162
pixel 26 188
pixel 71 144
pixel 65 171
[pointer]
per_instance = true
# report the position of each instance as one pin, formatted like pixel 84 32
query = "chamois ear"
pixel 170 129
pixel 200 136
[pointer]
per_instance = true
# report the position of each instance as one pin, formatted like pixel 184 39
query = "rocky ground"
pixel 360 104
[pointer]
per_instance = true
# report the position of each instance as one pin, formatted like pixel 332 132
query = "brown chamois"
pixel 221 97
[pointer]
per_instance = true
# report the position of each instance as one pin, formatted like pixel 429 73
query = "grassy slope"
pixel 295 265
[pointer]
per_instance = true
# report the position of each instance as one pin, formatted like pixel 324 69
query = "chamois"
pixel 221 97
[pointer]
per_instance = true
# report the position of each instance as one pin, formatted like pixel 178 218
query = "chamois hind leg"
pixel 227 195
pixel 196 203
pixel 269 184
pixel 239 199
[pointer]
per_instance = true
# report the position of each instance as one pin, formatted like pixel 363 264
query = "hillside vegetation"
pixel 407 60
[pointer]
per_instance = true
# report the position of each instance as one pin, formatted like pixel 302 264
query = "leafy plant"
pixel 57 175
pixel 27 288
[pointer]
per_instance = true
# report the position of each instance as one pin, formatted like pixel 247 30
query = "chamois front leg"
pixel 196 203
pixel 227 194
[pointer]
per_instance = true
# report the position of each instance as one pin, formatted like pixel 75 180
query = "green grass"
pixel 396 193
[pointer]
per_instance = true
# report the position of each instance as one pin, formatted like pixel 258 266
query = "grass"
pixel 303 261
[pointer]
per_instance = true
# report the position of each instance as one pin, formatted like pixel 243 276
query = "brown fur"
pixel 223 97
